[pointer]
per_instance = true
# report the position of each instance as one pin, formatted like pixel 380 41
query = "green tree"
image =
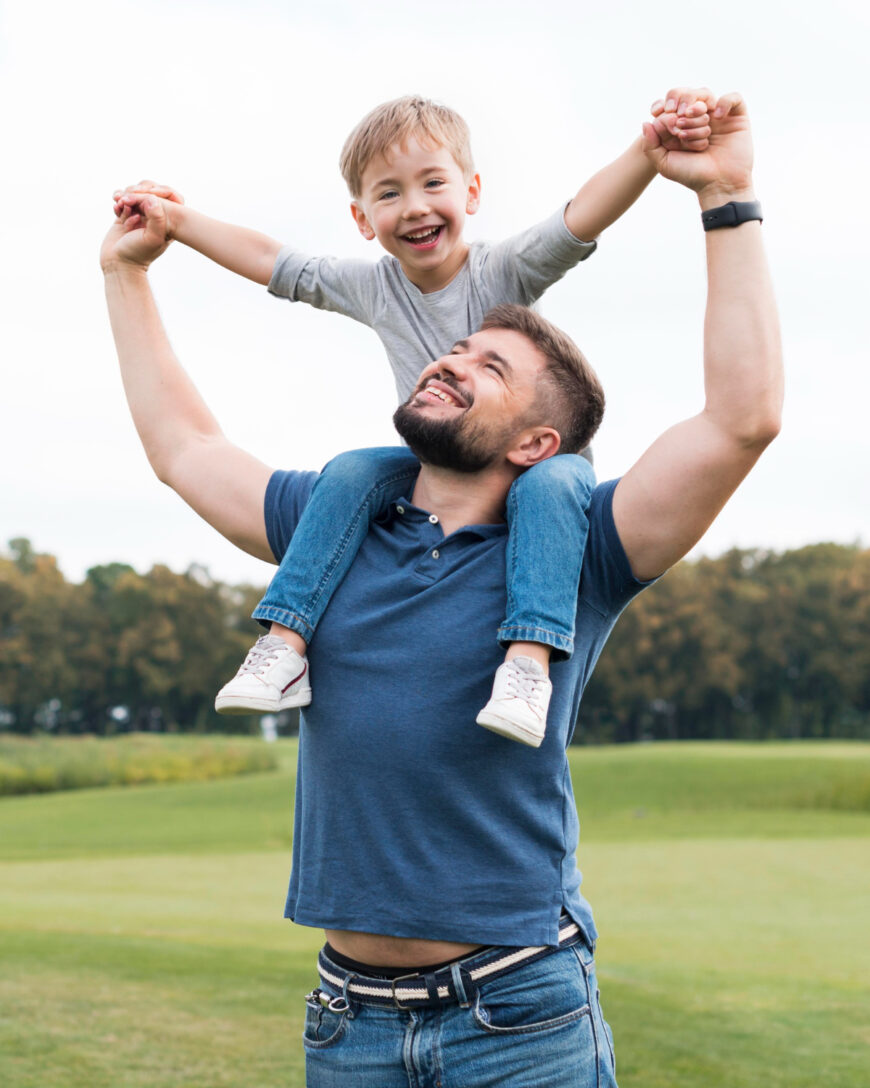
pixel 752 644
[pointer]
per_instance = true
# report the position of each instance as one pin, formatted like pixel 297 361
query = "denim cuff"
pixel 267 614
pixel 562 645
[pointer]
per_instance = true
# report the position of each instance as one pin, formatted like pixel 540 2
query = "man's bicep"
pixel 227 487
pixel 666 502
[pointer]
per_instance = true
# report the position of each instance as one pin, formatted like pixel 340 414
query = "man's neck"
pixel 463 498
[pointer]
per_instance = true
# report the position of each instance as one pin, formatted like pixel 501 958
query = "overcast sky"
pixel 244 107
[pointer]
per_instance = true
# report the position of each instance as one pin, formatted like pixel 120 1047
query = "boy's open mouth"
pixel 423 239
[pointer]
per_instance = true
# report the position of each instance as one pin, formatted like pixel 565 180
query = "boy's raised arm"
pixel 612 191
pixel 243 251
pixel 186 447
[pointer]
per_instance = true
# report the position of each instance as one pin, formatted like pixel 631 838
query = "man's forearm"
pixel 609 193
pixel 166 407
pixel 742 353
pixel 245 252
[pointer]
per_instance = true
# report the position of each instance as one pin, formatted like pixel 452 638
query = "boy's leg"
pixel 350 492
pixel 546 512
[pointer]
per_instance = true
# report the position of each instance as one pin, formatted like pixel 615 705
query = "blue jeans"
pixel 546 514
pixel 540 1026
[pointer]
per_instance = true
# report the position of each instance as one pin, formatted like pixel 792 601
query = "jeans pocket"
pixel 487 1019
pixel 324 1027
pixel 545 996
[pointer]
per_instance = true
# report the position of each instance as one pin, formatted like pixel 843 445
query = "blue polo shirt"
pixel 411 820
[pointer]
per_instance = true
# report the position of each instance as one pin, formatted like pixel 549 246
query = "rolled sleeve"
pixel 328 283
pixel 530 262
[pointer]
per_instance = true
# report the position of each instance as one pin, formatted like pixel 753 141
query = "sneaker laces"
pixel 264 650
pixel 525 685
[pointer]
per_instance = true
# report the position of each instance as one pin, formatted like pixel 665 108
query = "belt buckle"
pixel 401 978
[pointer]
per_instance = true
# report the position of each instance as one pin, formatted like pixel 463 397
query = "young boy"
pixel 409 170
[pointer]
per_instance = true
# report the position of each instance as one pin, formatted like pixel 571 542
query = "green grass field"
pixel 142 943
pixel 42 764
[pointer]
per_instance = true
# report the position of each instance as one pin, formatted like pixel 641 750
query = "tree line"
pixel 750 645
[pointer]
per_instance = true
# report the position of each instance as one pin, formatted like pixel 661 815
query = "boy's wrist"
pixel 176 219
pixel 636 149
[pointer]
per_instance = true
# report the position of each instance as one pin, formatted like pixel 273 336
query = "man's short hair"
pixel 395 123
pixel 570 398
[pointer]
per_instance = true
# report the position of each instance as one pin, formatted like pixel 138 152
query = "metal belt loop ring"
pixel 401 978
pixel 344 999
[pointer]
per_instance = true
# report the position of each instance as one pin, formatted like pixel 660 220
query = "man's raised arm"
pixel 182 440
pixel 666 502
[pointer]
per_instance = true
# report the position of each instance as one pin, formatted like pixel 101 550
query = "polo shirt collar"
pixel 410 514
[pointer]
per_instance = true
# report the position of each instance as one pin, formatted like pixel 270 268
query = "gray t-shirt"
pixel 414 327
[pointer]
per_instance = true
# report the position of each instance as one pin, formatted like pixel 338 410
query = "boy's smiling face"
pixel 414 200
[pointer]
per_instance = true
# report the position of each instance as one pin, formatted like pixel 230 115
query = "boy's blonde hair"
pixel 395 123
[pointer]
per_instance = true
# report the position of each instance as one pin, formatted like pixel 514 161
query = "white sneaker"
pixel 273 677
pixel 518 705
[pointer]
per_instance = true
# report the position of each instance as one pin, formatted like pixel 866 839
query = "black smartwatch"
pixel 731 214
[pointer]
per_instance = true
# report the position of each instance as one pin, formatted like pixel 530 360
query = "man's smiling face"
pixel 471 404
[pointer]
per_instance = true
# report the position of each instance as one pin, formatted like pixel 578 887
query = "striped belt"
pixel 457 982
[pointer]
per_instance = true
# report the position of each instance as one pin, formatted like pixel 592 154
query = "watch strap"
pixel 731 214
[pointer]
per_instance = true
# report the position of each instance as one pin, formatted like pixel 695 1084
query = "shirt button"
pixel 436 554
pixel 401 509
pixel 433 518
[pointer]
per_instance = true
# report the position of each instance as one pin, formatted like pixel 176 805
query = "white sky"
pixel 244 107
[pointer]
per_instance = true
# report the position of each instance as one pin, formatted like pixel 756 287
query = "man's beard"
pixel 446 443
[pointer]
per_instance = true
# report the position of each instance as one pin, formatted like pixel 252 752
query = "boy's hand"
pixel 122 197
pixel 683 117
pixel 720 173
pixel 137 237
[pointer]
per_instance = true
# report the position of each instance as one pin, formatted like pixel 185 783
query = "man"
pixel 439 858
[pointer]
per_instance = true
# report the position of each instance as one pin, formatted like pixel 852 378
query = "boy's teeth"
pixel 422 235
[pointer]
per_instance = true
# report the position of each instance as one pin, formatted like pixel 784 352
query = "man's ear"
pixel 472 202
pixel 535 445
pixel 361 220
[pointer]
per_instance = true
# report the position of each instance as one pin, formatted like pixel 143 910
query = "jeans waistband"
pixel 456 983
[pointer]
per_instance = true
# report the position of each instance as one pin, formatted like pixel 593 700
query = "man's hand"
pixel 138 236
pixel 719 173
pixel 129 208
